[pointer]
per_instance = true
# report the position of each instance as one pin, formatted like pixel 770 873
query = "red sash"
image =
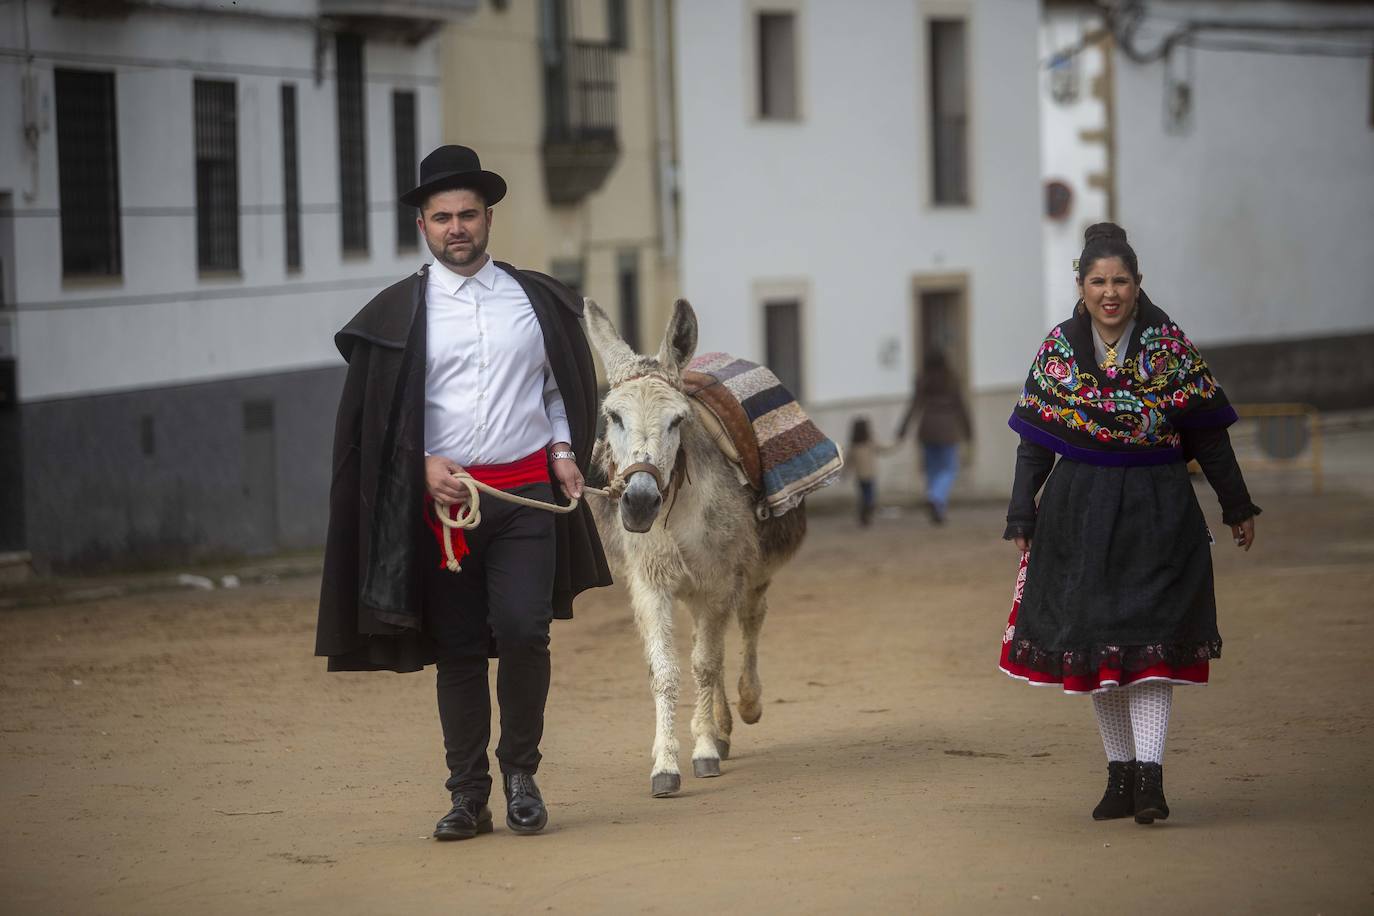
pixel 533 468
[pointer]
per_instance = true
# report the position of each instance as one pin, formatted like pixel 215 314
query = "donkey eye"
pixel 614 417
pixel 677 421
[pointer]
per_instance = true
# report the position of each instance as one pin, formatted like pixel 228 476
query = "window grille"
pixel 217 175
pixel 291 184
pixel 352 142
pixel 87 173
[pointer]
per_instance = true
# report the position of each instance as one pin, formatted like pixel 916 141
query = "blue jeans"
pixel 868 498
pixel 942 467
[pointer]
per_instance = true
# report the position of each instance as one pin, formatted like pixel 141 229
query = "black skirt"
pixel 1119 573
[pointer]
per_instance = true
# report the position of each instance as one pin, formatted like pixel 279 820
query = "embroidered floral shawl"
pixel 1126 416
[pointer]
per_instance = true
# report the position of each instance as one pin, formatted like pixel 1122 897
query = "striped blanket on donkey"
pixel 781 452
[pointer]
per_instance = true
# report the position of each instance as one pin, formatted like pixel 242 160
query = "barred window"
pixel 291 183
pixel 948 112
pixel 403 134
pixel 87 173
pixel 783 343
pixel 352 142
pixel 217 175
pixel 778 90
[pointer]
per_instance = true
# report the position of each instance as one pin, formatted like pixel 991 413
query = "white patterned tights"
pixel 1134 720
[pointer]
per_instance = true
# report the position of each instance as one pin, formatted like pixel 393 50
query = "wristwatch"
pixel 560 456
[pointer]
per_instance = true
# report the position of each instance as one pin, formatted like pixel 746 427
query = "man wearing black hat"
pixel 475 365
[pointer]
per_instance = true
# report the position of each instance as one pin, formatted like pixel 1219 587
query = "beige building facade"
pixel 571 102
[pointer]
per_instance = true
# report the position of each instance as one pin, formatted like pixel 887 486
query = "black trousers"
pixel 504 591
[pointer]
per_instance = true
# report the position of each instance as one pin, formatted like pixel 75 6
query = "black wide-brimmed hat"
pixel 451 167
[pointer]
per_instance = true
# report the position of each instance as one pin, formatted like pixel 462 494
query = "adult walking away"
pixel 1115 596
pixel 944 424
pixel 468 364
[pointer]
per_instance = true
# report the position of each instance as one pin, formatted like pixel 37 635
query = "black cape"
pixel 371 614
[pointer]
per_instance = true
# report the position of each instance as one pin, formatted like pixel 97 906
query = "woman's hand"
pixel 1244 533
pixel 1022 543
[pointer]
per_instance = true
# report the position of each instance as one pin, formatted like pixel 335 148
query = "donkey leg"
pixel 653 609
pixel 724 721
pixel 751 613
pixel 708 644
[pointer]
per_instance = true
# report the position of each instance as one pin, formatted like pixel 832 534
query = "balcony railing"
pixel 581 123
pixel 408 20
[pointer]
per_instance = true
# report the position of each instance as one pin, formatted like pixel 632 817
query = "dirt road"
pixel 184 753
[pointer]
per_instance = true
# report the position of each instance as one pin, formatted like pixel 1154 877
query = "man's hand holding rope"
pixel 566 472
pixel 443 488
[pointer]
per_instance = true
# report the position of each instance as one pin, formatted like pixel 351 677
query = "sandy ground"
pixel 177 753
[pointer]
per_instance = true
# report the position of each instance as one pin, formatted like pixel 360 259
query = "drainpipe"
pixel 31 107
pixel 1109 127
pixel 663 128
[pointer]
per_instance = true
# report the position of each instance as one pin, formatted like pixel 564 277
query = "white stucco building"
pixel 1235 142
pixel 193 198
pixel 860 183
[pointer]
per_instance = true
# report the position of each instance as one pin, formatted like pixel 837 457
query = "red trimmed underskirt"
pixel 533 468
pixel 1105 677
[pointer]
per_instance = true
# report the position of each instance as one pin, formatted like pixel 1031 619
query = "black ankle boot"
pixel 1150 805
pixel 465 820
pixel 1119 799
pixel 525 811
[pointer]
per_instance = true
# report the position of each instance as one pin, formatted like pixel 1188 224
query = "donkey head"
pixel 644 409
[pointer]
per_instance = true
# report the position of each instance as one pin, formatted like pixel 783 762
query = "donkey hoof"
pixel 723 748
pixel 750 711
pixel 705 766
pixel 665 784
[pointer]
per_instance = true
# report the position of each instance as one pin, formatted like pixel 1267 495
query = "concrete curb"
pixel 68 590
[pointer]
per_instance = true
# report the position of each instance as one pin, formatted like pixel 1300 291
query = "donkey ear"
pixel 680 341
pixel 616 354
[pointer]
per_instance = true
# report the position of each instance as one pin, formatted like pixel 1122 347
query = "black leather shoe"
pixel 1119 799
pixel 464 821
pixel 1149 793
pixel 525 811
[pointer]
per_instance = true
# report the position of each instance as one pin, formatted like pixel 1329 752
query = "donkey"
pixel 705 546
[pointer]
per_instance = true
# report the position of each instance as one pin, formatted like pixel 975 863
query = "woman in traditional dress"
pixel 1114 597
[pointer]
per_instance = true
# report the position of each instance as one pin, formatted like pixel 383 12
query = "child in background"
pixel 862 459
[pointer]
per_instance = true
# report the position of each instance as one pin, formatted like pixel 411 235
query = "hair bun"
pixel 1101 232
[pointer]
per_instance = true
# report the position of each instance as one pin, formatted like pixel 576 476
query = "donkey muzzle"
pixel 640 502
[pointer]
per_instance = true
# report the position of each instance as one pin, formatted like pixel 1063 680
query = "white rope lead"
pixel 470 511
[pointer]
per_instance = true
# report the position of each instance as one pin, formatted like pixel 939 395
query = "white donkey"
pixel 683 528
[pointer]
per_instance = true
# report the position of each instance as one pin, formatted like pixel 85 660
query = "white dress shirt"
pixel 490 394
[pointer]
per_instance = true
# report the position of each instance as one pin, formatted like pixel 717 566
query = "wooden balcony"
pixel 581 120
